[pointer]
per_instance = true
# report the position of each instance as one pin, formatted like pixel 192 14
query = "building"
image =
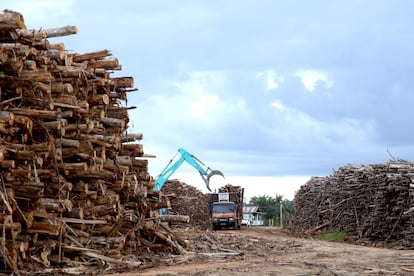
pixel 253 216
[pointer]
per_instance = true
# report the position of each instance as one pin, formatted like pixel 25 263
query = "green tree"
pixel 271 206
pixel 287 211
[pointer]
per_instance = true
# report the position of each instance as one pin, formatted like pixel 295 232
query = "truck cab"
pixel 223 215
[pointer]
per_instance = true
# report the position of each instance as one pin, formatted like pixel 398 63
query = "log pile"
pixel 374 202
pixel 74 185
pixel 187 200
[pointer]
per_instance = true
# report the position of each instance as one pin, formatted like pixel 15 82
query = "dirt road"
pixel 273 251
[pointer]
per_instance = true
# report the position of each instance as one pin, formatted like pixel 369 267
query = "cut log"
pixel 35 76
pixel 114 122
pixel 174 218
pixel 52 204
pixel 64 142
pixel 30 65
pixel 123 82
pixel 7 117
pixel 45 228
pixel 10 20
pixel 61 88
pixel 131 137
pixel 46 33
pixel 70 168
pixel 100 99
pixel 124 161
pixel 91 56
pixel 46 114
pixel 108 64
pixel 83 221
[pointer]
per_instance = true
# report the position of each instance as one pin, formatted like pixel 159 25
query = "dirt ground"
pixel 274 251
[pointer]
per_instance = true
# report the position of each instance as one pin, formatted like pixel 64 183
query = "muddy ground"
pixel 275 251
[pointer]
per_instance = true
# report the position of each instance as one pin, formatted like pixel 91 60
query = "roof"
pixel 251 209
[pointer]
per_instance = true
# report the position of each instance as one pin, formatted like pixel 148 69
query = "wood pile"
pixel 74 185
pixel 187 200
pixel 374 202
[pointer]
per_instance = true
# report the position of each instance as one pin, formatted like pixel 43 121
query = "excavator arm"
pixel 205 172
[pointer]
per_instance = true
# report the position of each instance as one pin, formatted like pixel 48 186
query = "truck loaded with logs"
pixel 226 208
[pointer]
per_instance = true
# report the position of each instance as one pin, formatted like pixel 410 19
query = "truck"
pixel 226 208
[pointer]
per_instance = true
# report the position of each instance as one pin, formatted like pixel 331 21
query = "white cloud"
pixel 272 80
pixel 292 117
pixel 203 104
pixel 277 104
pixel 310 78
pixel 205 96
pixel 301 128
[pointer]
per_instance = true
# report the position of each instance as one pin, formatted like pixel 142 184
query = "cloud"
pixel 303 132
pixel 191 109
pixel 203 94
pixel 310 78
pixel 272 80
pixel 204 105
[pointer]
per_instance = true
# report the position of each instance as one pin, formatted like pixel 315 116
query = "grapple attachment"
pixel 212 173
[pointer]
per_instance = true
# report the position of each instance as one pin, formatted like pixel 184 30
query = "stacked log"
pixel 372 202
pixel 74 183
pixel 187 200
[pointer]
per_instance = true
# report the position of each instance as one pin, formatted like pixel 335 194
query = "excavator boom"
pixel 205 172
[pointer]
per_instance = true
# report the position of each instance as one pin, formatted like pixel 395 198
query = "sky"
pixel 269 92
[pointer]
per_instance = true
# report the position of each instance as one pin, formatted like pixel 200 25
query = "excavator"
pixel 205 172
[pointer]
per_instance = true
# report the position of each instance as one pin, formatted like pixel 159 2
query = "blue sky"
pixel 269 92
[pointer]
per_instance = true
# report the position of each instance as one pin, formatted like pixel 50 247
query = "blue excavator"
pixel 205 172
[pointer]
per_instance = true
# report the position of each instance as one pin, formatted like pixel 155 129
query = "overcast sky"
pixel 269 92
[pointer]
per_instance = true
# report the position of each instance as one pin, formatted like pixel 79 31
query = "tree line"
pixel 272 206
